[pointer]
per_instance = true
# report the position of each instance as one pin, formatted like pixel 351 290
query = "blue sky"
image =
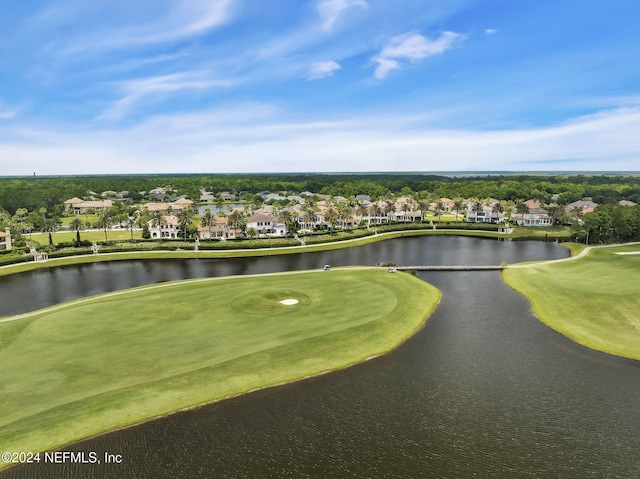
pixel 185 86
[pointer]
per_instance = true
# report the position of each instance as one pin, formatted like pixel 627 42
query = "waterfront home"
pixel 176 206
pixel 220 230
pixel 447 204
pixel 266 225
pixel 534 217
pixel 484 215
pixel 5 240
pixel 167 227
pixel 227 196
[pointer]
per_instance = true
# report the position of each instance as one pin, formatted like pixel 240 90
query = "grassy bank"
pixel 96 364
pixel 593 300
pixel 78 257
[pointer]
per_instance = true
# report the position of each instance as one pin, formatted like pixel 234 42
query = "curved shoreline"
pixel 373 339
pixel 241 253
pixel 562 302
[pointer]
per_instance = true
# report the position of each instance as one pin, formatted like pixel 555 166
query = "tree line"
pixel 50 192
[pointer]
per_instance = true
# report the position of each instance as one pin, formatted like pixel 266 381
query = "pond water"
pixel 484 390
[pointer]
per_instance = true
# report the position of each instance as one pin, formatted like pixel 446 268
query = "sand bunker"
pixel 289 302
pixel 630 252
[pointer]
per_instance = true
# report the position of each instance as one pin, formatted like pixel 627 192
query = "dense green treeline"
pixel 609 224
pixel 51 192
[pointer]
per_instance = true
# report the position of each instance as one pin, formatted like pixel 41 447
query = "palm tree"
pixel 376 210
pixel 331 216
pixel 406 207
pixel 49 226
pixel 497 209
pixel 104 222
pixel 185 218
pixel 457 206
pixel 361 210
pixel 76 225
pixel 522 208
pixel 131 222
pixel 235 220
pixel 208 220
pixel 286 218
pixel 389 208
pixel 309 217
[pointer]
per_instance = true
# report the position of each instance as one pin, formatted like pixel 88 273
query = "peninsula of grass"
pixel 96 364
pixel 592 300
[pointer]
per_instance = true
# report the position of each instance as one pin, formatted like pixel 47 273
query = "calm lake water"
pixel 484 390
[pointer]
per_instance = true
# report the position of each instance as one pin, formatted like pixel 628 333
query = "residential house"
pixel 627 203
pixel 484 215
pixel 168 227
pixel 220 230
pixel 79 207
pixel 205 195
pixel 583 205
pixel 535 216
pixel 266 225
pixel 227 196
pixel 5 240
pixel 176 206
pixel 447 204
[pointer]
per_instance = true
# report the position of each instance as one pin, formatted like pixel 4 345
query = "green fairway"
pixel 593 300
pixel 92 365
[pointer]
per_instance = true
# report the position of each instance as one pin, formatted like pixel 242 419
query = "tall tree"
pixel 104 223
pixel 76 225
pixel 49 226
pixel 457 206
pixel 185 218
pixel 208 220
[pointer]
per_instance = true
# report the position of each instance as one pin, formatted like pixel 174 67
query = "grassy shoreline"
pixel 154 350
pixel 239 253
pixel 592 300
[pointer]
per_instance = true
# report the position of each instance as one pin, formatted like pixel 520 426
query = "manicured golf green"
pixel 593 300
pixel 96 364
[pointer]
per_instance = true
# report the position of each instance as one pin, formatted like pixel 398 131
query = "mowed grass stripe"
pixel 118 360
pixel 594 300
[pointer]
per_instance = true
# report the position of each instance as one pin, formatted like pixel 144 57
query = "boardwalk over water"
pixel 452 268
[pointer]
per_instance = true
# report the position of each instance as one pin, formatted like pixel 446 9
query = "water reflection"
pixel 484 390
pixel 37 289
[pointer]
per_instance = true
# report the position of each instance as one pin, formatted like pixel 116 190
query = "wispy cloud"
pixel 330 10
pixel 6 114
pixel 490 31
pixel 412 47
pixel 320 70
pixel 163 23
pixel 158 87
pixel 251 138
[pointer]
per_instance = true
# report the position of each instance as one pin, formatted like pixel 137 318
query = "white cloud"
pixel 135 90
pixel 322 70
pixel 254 138
pixel 330 10
pixel 155 23
pixel 412 47
pixel 6 114
pixel 490 31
